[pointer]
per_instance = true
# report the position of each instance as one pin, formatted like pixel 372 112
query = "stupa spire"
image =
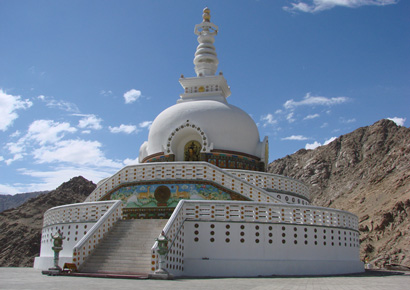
pixel 206 61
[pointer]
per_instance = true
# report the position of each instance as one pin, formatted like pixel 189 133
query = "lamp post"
pixel 57 247
pixel 161 273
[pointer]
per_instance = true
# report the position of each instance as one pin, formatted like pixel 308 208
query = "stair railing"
pixel 171 231
pixel 90 241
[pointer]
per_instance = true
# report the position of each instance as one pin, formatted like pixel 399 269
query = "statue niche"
pixel 192 150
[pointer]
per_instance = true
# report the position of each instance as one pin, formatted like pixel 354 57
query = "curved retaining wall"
pixel 251 239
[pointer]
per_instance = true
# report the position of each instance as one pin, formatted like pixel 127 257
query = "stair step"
pixel 126 248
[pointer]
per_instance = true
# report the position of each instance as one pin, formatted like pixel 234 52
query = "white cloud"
pixel 398 121
pixel 316 144
pixel 145 124
pixel 312 146
pixel 51 102
pixel 310 117
pixel 268 120
pixel 330 140
pixel 79 152
pixel 86 132
pixel 313 6
pixel 324 125
pixel 127 129
pixel 309 100
pixel 90 121
pixel 129 161
pixel 48 131
pixel 1 158
pixel 296 137
pixel 40 132
pixel 131 96
pixel 9 104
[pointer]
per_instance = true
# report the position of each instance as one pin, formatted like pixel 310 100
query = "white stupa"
pixel 201 182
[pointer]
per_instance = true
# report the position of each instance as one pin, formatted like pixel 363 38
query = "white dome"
pixel 225 127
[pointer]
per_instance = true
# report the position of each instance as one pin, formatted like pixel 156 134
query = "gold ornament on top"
pixel 207 15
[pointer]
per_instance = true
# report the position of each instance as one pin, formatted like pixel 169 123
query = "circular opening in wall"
pixel 242 227
pixel 283 241
pixel 227 240
pixel 212 226
pixel 212 240
pixel 242 240
pixel 196 232
pixel 212 233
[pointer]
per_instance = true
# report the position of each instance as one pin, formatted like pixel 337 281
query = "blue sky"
pixel 81 81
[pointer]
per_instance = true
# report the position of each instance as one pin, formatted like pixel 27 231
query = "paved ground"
pixel 28 278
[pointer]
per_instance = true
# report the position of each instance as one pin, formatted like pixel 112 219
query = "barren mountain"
pixel 366 172
pixel 12 201
pixel 20 228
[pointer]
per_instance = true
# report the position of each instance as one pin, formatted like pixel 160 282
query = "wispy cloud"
pixel 347 121
pixel 310 117
pixel 310 100
pixel 145 124
pixel 51 102
pixel 398 121
pixel 9 104
pixel 312 6
pixel 105 93
pixel 72 152
pixel 268 119
pixel 131 96
pixel 290 118
pixel 296 138
pixel 127 129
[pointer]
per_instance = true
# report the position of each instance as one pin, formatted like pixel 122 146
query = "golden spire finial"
pixel 207 15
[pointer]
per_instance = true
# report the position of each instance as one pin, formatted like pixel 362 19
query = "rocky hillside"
pixel 11 201
pixel 20 228
pixel 366 172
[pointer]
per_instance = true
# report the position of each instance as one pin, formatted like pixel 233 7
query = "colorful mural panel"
pixel 155 195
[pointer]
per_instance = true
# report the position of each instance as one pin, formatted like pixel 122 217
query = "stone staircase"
pixel 126 249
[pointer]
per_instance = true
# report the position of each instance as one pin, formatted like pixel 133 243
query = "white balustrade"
pixel 182 171
pixel 272 181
